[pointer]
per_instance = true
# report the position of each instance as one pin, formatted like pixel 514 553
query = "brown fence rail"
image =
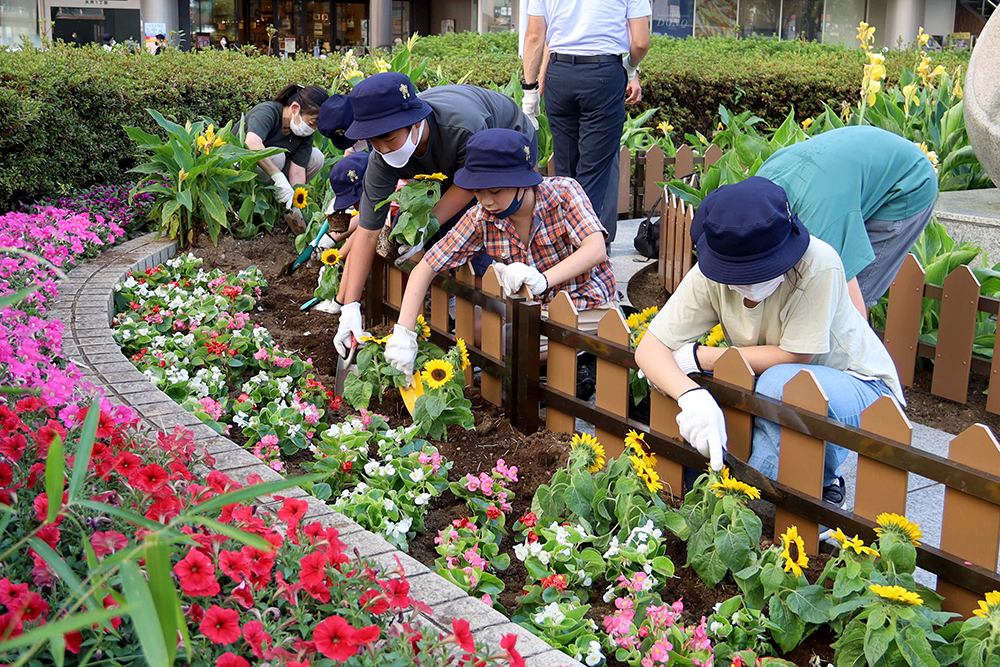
pixel 970 540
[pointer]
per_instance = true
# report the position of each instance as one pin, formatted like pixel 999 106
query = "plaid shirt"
pixel 563 217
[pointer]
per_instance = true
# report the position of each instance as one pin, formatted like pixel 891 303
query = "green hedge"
pixel 62 110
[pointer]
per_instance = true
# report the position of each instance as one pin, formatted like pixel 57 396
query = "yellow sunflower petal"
pixel 437 373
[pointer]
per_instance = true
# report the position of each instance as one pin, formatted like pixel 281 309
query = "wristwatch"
pixel 528 86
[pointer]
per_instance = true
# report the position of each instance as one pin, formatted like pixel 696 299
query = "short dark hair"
pixel 310 98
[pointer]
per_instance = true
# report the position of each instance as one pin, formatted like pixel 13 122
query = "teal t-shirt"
pixel 837 180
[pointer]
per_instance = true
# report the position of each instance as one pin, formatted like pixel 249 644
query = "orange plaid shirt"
pixel 563 217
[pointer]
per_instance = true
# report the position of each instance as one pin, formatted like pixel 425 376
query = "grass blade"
pixel 85 448
pixel 163 592
pixel 55 466
pixel 65 572
pixel 144 617
pixel 251 492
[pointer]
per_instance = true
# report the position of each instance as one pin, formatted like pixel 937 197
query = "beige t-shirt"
pixel 810 313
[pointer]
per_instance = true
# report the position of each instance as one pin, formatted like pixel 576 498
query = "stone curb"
pixel 85 305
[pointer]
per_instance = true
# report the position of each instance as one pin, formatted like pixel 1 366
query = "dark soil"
pixel 537 456
pixel 645 289
pixel 925 408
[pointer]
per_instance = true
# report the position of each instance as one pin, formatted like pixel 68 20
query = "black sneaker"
pixel 835 493
pixel 586 376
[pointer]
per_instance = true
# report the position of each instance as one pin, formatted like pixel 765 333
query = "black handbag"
pixel 647 238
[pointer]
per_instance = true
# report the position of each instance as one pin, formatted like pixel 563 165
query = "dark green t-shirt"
pixel 264 120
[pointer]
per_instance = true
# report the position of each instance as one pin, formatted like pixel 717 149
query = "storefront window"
pixel 401 20
pixel 18 18
pixel 715 18
pixel 211 20
pixel 802 19
pixel 319 26
pixel 674 18
pixel 759 17
pixel 842 18
pixel 351 25
pixel 261 17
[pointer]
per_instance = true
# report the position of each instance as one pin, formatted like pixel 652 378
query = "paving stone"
pixel 366 544
pixel 201 470
pixel 478 615
pixel 551 658
pixel 103 358
pixel 117 378
pixel 217 445
pixel 148 399
pixel 241 474
pixel 411 567
pixel 236 458
pixel 159 409
pixel 317 508
pixel 527 645
pixel 432 590
pixel 140 388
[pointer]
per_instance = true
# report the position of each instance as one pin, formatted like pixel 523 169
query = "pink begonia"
pixel 486 599
pixel 282 362
pixel 700 639
pixel 269 440
pixel 486 484
pixel 261 355
pixel 502 469
pixel 212 408
pixel 660 651
pixel 471 483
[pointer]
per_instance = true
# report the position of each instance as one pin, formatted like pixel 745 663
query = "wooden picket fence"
pixel 970 540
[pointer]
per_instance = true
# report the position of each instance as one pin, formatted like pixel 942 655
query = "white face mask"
pixel 758 291
pixel 300 128
pixel 398 158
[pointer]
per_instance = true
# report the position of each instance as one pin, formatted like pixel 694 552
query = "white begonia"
pixel 614 548
pixel 551 613
pixel 535 548
pixel 388 470
pixel 389 505
pixel 371 467
pixel 520 551
pixel 422 499
pixel 417 475
pixel 544 557
pixel 715 626
pixel 562 535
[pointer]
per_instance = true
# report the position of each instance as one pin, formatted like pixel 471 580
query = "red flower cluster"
pixel 556 581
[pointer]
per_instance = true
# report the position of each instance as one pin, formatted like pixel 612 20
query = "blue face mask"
pixel 515 206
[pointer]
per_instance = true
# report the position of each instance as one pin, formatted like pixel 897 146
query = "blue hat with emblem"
pixel 747 233
pixel 335 116
pixel 383 103
pixel 347 179
pixel 498 158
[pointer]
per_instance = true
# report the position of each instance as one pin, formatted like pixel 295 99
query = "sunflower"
pixel 436 176
pixel 437 373
pixel 636 442
pixel 649 313
pixel 377 341
pixel 652 479
pixel 735 488
pixel 853 543
pixel 715 336
pixel 988 606
pixel 795 552
pixel 896 593
pixel 633 320
pixel 593 451
pixel 899 526
pixel 331 256
pixel 423 330
pixel 463 351
pixel 301 198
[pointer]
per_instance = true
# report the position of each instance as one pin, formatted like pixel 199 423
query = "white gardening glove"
pixel 332 206
pixel 401 351
pixel 531 106
pixel 408 251
pixel 350 325
pixel 325 243
pixel 329 306
pixel 702 423
pixel 285 192
pixel 517 274
pixel 687 358
pixel 629 69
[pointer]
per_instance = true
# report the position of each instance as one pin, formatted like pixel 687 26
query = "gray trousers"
pixel 891 241
pixel 316 161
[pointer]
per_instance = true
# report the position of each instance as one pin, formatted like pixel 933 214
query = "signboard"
pixel 154 29
pixel 289 45
pixel 959 40
pixel 103 4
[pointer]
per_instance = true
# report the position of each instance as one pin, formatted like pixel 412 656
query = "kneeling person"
pixel 544 230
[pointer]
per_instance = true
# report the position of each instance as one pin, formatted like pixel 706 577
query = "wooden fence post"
pixel 492 387
pixel 612 380
pixel 880 487
pixel 395 288
pixel 667 242
pixel 687 258
pixel 526 353
pixel 375 292
pixel 902 319
pixel 663 412
pixel 624 180
pixel 953 355
pixel 561 373
pixel 970 527
pixel 682 240
pixel 801 457
pixel 732 367
pixel 465 314
pixel 654 173
pixel 993 398
pixel 683 162
pixel 712 155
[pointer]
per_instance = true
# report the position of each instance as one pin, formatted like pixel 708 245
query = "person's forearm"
pixel 352 283
pixel 639 40
pixel 452 201
pixel 534 43
pixel 657 361
pixel 296 175
pixel 760 357
pixel 857 298
pixel 590 253
pixel 416 289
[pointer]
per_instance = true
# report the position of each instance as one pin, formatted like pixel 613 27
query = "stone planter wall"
pixel 86 306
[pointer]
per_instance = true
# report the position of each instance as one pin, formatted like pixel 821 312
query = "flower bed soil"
pixel 537 456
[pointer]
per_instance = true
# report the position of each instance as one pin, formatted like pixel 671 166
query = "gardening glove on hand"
pixel 686 357
pixel 350 325
pixel 531 106
pixel 331 306
pixel 408 251
pixel 629 68
pixel 331 208
pixel 401 351
pixel 517 274
pixel 702 423
pixel 285 192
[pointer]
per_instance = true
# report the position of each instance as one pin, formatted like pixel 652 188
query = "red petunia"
pixel 228 659
pixel 367 634
pixel 243 595
pixel 220 483
pixel 11 625
pixel 13 446
pixel 32 606
pixel 197 574
pixel 6 474
pixel 11 593
pixel 312 568
pixel 463 636
pixel 107 542
pixel 336 639
pixel 149 478
pixel 379 602
pixel 398 591
pixel 46 434
pixel 41 506
pixel 164 509
pixel 222 626
pixel 73 641
pixel 195 612
pixel 253 633
pixel 260 562
pixel 234 565
pixel 126 463
pixel 49 534
pixel 507 643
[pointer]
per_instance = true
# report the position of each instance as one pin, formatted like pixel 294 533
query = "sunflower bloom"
pixel 899 526
pixel 464 352
pixel 331 256
pixel 437 373
pixel 436 176
pixel 896 594
pixel 794 552
pixel 423 329
pixel 853 543
pixel 729 486
pixel 591 450
pixel 715 336
pixel 652 479
pixel 990 605
pixel 377 341
pixel 301 198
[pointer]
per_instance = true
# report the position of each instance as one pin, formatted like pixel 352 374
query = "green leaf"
pixel 785 626
pixel 44 633
pixel 771 577
pixel 251 493
pixel 54 479
pixel 229 531
pixel 65 572
pixel 163 592
pixel 811 604
pixel 18 296
pixel 131 517
pixel 145 620
pixel 83 450
pixel 877 642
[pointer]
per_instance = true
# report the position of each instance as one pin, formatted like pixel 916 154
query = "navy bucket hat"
pixel 335 116
pixel 498 158
pixel 383 103
pixel 347 179
pixel 746 233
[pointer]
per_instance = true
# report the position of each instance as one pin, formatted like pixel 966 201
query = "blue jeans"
pixel 848 395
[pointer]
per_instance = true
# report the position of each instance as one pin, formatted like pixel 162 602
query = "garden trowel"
pixel 304 256
pixel 344 367
pixel 745 473
pixel 411 393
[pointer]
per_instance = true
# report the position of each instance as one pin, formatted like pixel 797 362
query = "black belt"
pixel 584 60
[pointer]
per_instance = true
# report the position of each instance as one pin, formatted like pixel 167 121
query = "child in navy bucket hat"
pixel 542 232
pixel 347 181
pixel 411 134
pixel 781 297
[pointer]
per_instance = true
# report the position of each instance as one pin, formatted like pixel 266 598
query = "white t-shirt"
pixel 810 313
pixel 588 27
